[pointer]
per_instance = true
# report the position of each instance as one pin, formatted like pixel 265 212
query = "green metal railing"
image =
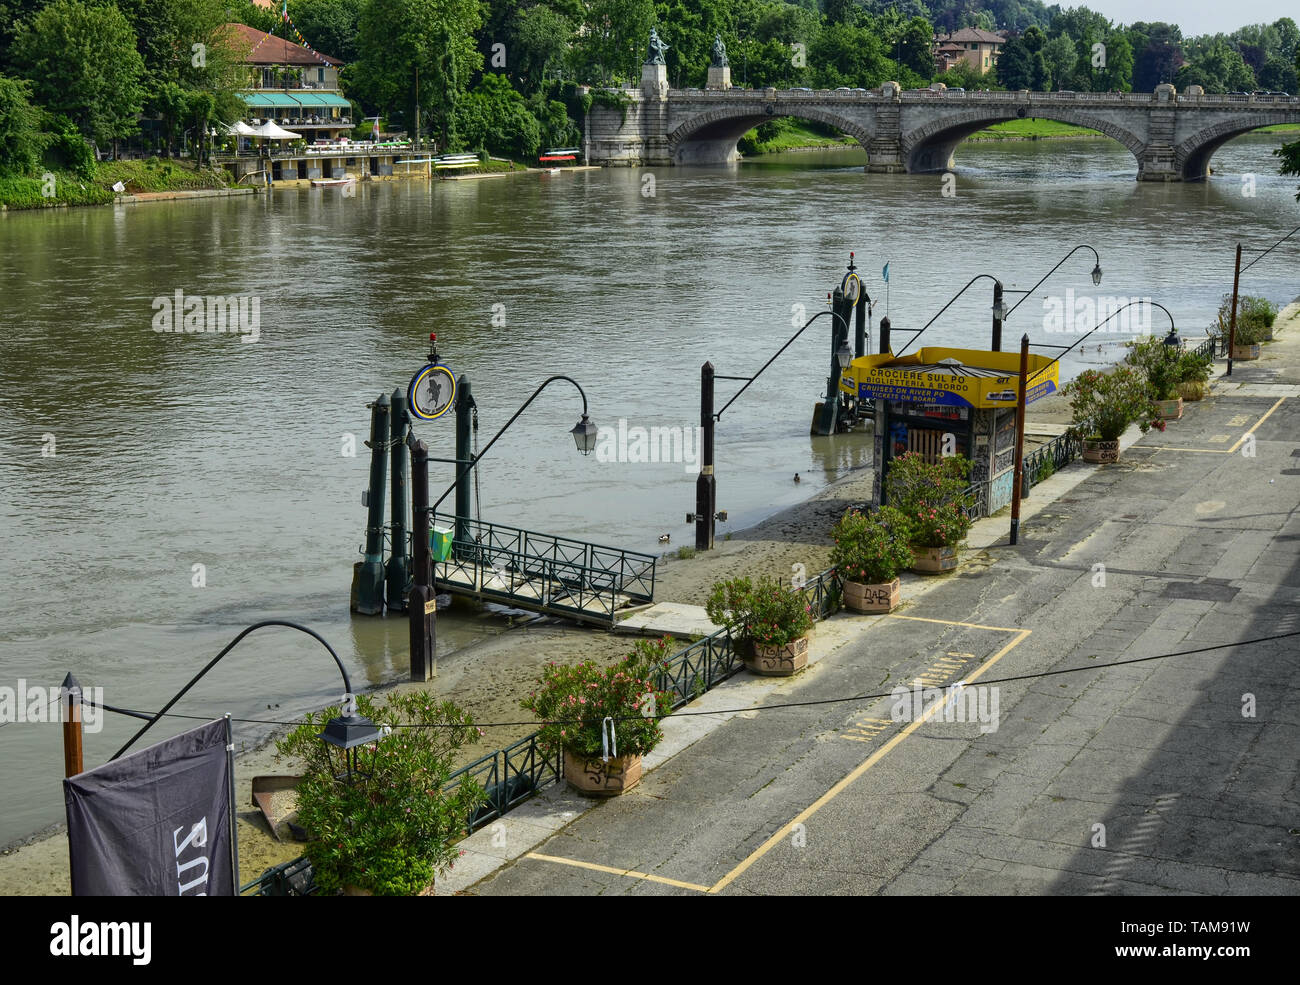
pixel 540 571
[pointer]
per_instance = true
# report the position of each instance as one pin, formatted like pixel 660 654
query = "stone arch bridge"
pixel 1171 135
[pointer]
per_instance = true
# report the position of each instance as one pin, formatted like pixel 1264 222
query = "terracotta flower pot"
pixel 934 560
pixel 1245 352
pixel 879 597
pixel 591 776
pixel 1170 410
pixel 779 661
pixel 1100 452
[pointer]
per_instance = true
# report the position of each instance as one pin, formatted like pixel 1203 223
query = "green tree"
pixel 1290 154
pixel 1117 74
pixel 1060 56
pixel 417 53
pixel 21 138
pixel 493 116
pixel 848 56
pixel 1278 75
pixel 1015 68
pixel 615 44
pixel 917 53
pixel 83 63
pixel 1034 39
pixel 538 43
pixel 330 26
pixel 1040 76
pixel 1219 69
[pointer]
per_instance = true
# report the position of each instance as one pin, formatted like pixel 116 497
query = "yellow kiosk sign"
pixel 953 377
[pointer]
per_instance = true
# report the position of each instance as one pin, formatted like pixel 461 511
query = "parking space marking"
pixel 1221 438
pixel 630 873
pixel 868 729
pixel 783 832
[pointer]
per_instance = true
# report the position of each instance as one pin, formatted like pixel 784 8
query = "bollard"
pixel 422 610
pixel 369 599
pixel 398 570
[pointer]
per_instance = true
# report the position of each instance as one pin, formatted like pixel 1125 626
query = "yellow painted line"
pixel 1217 437
pixel 877 756
pixel 632 873
pixel 953 622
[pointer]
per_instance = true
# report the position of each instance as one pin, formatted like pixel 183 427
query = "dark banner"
pixel 156 822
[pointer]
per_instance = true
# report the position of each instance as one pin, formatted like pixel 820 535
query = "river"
pixel 128 457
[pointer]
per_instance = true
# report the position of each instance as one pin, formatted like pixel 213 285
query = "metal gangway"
pixel 492 562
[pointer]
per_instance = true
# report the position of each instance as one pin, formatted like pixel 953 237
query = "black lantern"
pixel 1096 274
pixel 1000 310
pixel 844 355
pixel 584 435
pixel 1172 340
pixel 349 731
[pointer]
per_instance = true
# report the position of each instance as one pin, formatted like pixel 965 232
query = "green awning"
pixel 293 100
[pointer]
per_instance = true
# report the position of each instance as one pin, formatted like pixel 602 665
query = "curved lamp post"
pixel 706 491
pixel 999 312
pixel 347 731
pixel 1096 273
pixel 1171 339
pixel 584 433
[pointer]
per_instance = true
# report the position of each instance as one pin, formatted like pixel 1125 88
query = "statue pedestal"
pixel 719 77
pixel 654 80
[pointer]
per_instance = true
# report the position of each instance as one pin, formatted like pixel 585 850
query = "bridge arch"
pixel 1192 156
pixel 710 137
pixel 930 146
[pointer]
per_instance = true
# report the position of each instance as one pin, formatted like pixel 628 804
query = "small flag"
pixel 885 273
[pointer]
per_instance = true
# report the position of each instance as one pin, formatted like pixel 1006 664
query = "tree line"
pixel 506 75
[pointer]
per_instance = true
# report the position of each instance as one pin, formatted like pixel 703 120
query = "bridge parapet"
pixel 1172 135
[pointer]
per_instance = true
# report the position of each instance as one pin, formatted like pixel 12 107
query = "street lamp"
pixel 349 731
pixel 706 491
pixel 584 434
pixel 1096 273
pixel 999 312
pixel 351 727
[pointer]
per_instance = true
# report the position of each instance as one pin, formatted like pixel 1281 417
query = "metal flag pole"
pixel 234 818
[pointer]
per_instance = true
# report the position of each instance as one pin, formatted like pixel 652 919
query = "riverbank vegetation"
pixel 85 78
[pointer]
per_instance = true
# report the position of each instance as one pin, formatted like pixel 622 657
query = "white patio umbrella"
pixel 241 129
pixel 272 131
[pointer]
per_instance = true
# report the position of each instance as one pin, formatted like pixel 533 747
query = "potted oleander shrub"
pixel 1194 375
pixel 1104 405
pixel 1160 364
pixel 770 623
pixel 388 826
pixel 870 550
pixel 1255 317
pixel 604 718
pixel 932 496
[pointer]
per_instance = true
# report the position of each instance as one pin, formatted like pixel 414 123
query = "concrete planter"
pixel 934 560
pixel 1100 452
pixel 593 777
pixel 1170 410
pixel 1244 353
pixel 880 597
pixel 779 661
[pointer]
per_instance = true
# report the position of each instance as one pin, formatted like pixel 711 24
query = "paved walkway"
pixel 1061 775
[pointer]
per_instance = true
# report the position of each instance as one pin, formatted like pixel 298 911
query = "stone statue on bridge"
pixel 657 49
pixel 719 53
